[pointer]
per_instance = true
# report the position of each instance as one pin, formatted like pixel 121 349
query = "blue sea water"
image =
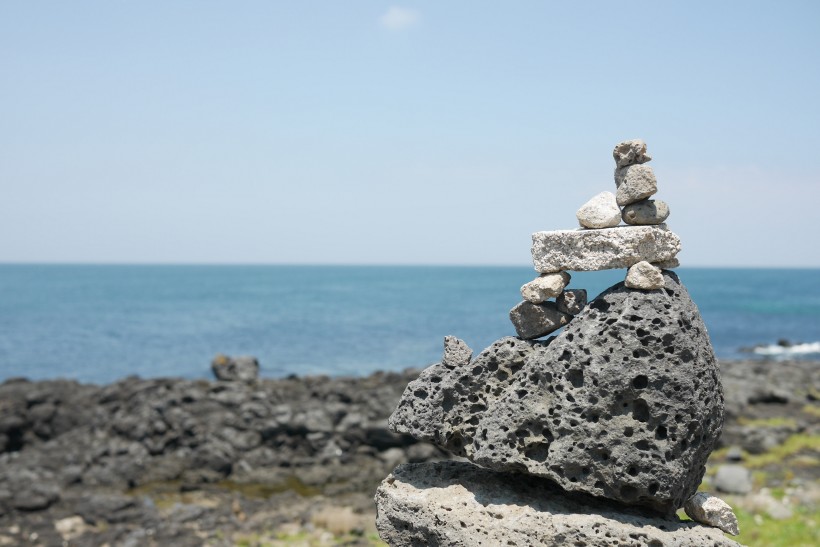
pixel 101 323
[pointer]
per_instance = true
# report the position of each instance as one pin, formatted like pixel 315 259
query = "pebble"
pixel 601 211
pixel 571 301
pixel 630 152
pixel 544 287
pixel 645 276
pixel 713 511
pixel 634 183
pixel 648 211
pixel 536 320
pixel 733 479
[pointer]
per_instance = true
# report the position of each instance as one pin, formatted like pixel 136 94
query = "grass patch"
pixel 812 410
pixel 790 447
pixel 800 530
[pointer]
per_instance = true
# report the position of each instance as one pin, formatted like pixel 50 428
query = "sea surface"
pixel 101 323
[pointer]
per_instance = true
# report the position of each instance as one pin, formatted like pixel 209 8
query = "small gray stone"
pixel 235 369
pixel 733 479
pixel 599 212
pixel 459 504
pixel 713 511
pixel 645 276
pixel 630 152
pixel 592 250
pixel 572 301
pixel 647 211
pixel 734 454
pixel 544 287
pixel 536 320
pixel 634 182
pixel 456 352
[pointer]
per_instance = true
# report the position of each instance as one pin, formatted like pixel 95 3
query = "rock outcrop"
pixel 454 503
pixel 625 403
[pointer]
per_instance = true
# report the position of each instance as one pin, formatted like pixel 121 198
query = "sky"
pixel 400 133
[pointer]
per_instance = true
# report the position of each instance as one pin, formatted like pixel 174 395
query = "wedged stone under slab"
pixel 604 249
pixel 460 504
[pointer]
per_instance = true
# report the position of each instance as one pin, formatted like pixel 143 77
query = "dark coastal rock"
pixel 571 301
pixel 456 503
pixel 235 369
pixel 537 320
pixel 625 403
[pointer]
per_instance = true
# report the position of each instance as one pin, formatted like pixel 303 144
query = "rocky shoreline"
pixel 193 462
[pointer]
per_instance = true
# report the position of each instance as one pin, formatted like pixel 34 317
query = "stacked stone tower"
pixel 594 435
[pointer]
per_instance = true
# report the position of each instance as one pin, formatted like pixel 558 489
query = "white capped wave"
pixel 794 349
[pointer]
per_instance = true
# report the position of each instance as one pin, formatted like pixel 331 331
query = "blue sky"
pixel 399 133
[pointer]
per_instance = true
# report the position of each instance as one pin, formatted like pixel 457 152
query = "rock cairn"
pixel 645 246
pixel 582 433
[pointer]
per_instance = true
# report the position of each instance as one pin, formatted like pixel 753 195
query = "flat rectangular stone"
pixel 605 249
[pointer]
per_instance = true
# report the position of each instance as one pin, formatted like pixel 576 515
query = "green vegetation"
pixel 800 530
pixel 791 448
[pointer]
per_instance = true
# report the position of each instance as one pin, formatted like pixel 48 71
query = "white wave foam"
pixel 796 349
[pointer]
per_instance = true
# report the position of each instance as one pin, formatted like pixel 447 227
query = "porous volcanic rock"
pixel 457 503
pixel 608 248
pixel 536 320
pixel 647 211
pixel 630 152
pixel 634 183
pixel 571 301
pixel 625 403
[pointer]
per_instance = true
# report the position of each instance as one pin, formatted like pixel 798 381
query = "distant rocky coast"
pixel 193 462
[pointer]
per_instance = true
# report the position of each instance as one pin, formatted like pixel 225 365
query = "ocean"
pixel 101 323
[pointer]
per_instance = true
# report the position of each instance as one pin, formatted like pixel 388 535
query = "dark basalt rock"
pixel 626 403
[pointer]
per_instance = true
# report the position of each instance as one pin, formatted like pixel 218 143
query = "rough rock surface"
pixel 630 152
pixel 645 276
pixel 599 212
pixel 667 264
pixel 571 301
pixel 592 250
pixel 634 182
pixel 456 503
pixel 647 211
pixel 625 403
pixel 536 320
pixel 544 287
pixel 708 509
pixel 235 369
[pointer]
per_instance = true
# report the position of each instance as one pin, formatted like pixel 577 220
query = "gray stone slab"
pixel 459 504
pixel 592 250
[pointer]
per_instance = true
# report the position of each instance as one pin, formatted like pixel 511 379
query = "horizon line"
pixel 362 265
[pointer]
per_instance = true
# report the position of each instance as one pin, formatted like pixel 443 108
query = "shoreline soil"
pixel 297 460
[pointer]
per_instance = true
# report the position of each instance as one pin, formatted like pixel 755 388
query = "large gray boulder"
pixel 625 403
pixel 459 504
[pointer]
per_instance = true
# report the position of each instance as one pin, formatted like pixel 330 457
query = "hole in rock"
pixel 640 382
